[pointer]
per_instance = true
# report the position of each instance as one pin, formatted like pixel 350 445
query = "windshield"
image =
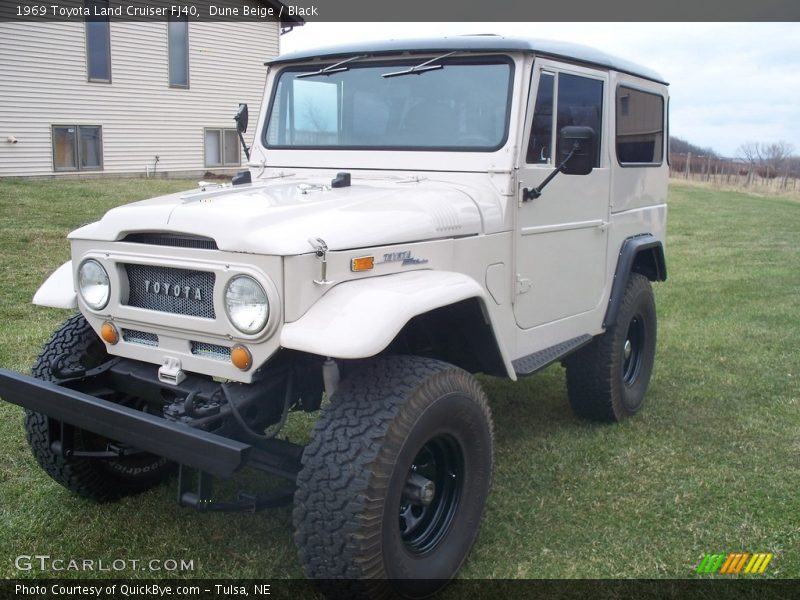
pixel 461 106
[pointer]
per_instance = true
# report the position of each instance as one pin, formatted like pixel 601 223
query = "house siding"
pixel 43 79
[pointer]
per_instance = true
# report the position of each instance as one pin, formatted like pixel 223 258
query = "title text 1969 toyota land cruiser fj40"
pixel 414 212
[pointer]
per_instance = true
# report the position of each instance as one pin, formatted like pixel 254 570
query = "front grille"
pixel 139 337
pixel 211 351
pixel 170 239
pixel 177 291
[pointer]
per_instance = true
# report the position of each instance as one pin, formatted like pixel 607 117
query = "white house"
pixel 99 97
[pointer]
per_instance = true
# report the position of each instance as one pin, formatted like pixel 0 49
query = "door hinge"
pixel 523 285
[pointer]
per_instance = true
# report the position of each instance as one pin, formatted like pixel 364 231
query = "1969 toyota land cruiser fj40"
pixel 414 212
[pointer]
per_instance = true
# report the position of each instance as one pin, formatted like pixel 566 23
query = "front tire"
pixel 607 379
pixel 75 347
pixel 395 479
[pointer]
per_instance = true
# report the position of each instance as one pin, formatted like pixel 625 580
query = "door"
pixel 561 236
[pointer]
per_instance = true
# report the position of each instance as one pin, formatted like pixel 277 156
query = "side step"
pixel 528 365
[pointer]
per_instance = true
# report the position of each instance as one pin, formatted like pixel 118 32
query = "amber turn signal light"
pixel 362 263
pixel 109 333
pixel 241 358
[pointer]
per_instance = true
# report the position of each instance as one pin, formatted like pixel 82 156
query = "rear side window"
pixel 640 127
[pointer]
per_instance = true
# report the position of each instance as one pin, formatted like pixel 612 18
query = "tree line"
pixel 765 165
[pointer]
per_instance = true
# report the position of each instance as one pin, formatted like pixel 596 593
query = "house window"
pixel 640 127
pixel 98 44
pixel 178 41
pixel 77 147
pixel 222 148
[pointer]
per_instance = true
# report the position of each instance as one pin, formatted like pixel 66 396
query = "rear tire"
pixel 395 480
pixel 607 379
pixel 75 347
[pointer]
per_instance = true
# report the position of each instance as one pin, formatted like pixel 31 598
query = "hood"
pixel 279 218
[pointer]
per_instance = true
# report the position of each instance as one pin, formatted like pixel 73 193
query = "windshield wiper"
pixel 421 68
pixel 337 68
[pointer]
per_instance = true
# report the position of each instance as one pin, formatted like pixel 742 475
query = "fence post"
pixel 688 163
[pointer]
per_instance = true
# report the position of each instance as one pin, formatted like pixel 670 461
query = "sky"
pixel 730 83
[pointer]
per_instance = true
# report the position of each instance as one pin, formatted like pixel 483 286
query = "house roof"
pixel 476 43
pixel 285 20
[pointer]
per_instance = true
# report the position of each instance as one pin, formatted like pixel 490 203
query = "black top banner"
pixel 296 12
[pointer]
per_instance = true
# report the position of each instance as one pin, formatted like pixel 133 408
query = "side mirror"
pixel 580 141
pixel 577 155
pixel 241 118
pixel 241 127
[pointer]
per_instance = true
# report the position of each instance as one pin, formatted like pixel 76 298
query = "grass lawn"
pixel 710 465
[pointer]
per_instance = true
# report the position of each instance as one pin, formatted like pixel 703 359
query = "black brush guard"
pixel 195 450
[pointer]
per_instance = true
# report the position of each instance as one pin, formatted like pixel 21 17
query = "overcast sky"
pixel 730 83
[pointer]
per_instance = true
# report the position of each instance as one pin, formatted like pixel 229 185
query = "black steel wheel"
pixel 431 495
pixel 633 350
pixel 74 347
pixel 607 380
pixel 395 480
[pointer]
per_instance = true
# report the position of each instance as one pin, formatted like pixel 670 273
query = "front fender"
pixel 58 291
pixel 358 319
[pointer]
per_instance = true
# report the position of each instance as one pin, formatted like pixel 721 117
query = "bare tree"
pixel 774 157
pixel 750 154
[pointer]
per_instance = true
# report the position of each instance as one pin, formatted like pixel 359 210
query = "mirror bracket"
pixel 583 150
pixel 534 193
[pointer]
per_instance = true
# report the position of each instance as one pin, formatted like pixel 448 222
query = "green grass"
pixel 710 465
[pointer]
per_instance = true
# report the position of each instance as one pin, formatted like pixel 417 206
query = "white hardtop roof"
pixel 478 44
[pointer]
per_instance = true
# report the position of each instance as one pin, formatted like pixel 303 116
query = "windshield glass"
pixel 461 106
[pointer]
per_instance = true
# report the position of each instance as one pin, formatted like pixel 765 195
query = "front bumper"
pixel 178 442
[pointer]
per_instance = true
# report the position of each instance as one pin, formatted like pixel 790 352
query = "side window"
pixel 580 102
pixel 541 140
pixel 640 127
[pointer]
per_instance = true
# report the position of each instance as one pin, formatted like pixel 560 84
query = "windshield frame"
pixel 406 61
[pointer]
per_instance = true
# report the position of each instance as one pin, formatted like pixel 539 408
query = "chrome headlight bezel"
pixel 98 278
pixel 237 314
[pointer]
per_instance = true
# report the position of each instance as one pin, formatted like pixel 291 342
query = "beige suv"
pixel 414 212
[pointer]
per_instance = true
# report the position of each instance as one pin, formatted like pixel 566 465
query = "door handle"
pixel 529 194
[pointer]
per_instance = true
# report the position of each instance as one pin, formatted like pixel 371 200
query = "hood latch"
pixel 321 250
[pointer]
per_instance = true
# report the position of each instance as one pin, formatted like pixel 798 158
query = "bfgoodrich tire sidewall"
pixel 458 416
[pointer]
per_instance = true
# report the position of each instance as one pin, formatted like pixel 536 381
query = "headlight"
pixel 93 284
pixel 246 304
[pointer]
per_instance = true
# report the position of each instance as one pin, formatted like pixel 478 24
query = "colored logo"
pixel 735 563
